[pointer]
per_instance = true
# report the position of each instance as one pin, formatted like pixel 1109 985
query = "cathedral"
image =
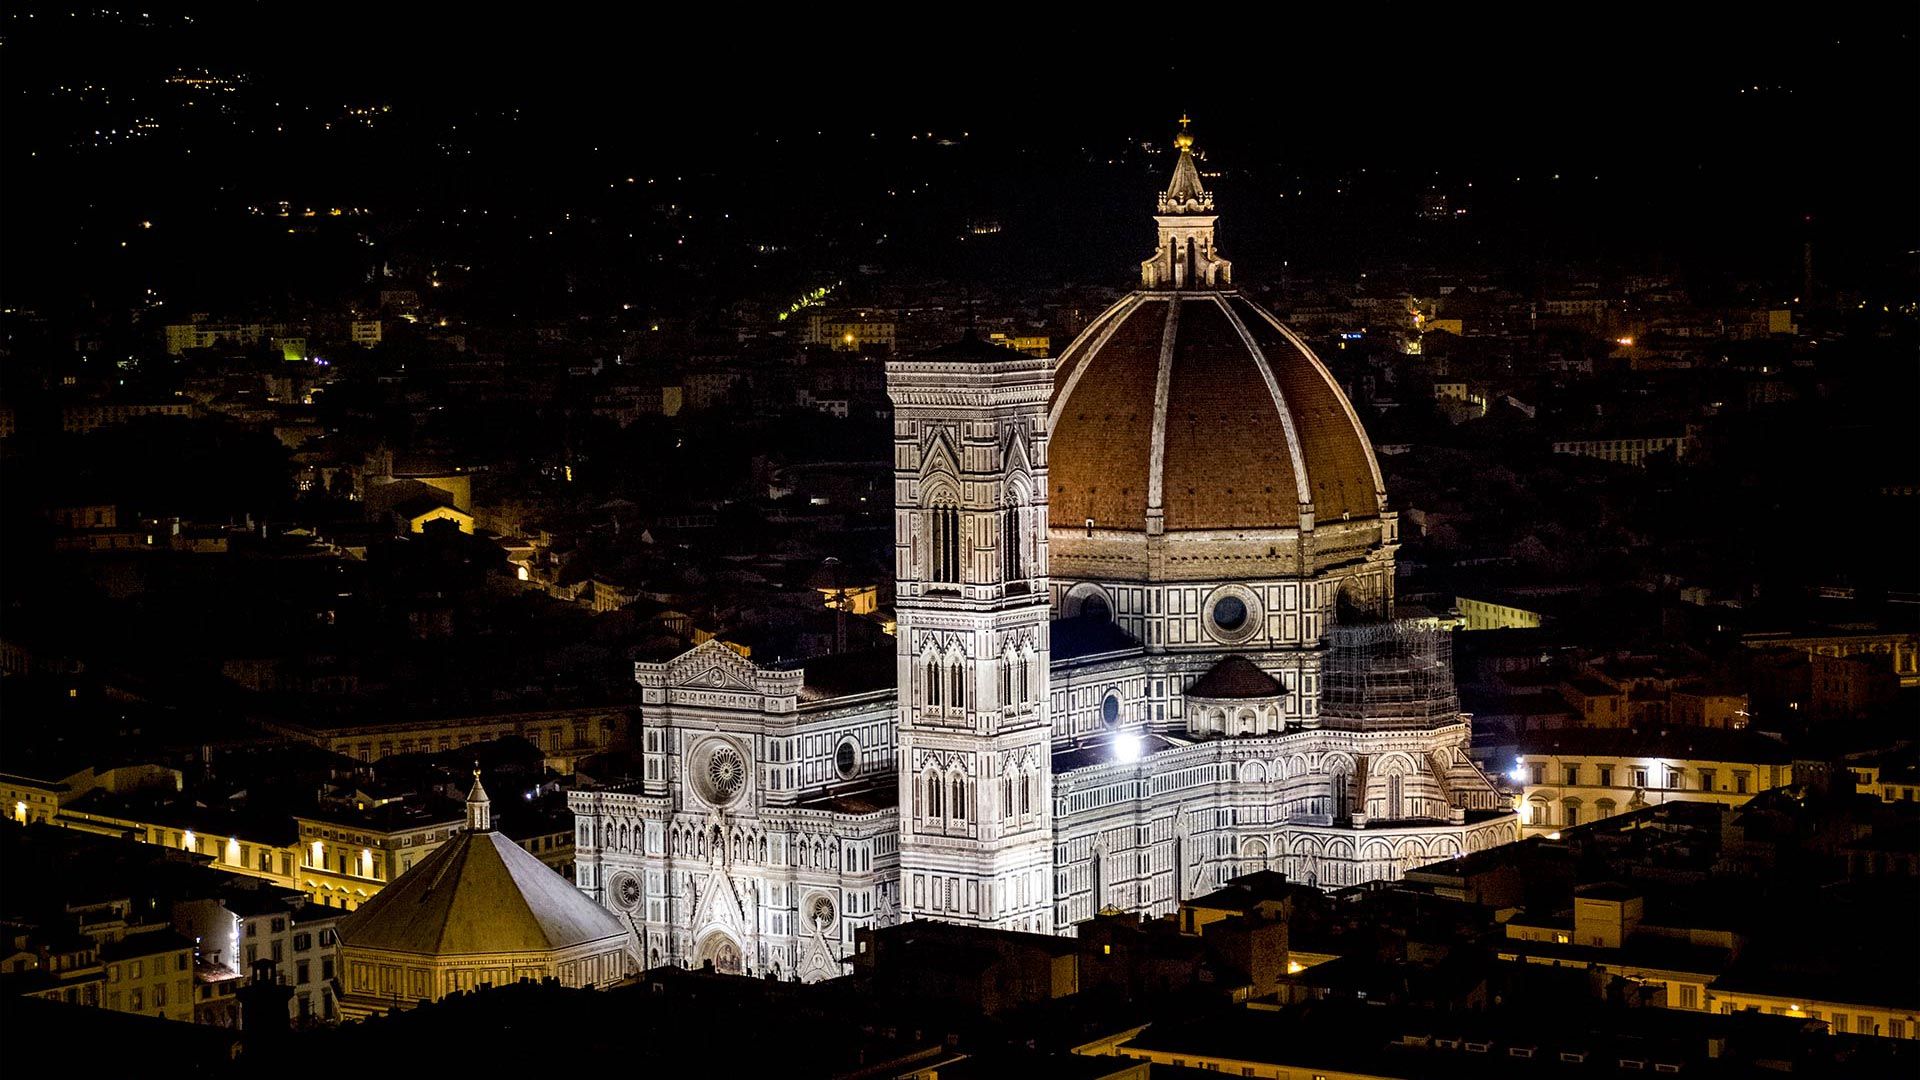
pixel 1145 643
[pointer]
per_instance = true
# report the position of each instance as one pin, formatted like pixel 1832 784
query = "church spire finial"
pixel 1185 257
pixel 479 807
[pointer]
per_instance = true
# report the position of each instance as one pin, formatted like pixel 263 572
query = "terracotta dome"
pixel 1195 410
pixel 1188 408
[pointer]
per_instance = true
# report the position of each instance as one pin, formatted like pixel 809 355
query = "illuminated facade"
pixel 346 856
pixel 1144 645
pixel 1577 776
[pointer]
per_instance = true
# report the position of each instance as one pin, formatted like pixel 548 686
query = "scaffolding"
pixel 1387 675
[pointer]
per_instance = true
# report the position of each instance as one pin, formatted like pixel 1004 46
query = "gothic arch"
pixel 1394 762
pixel 1253 772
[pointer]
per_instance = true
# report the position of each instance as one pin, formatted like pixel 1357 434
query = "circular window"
pixel 821 912
pixel 726 773
pixel 1229 613
pixel 1110 710
pixel 626 891
pixel 847 759
pixel 1233 613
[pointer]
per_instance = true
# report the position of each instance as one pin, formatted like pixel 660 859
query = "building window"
pixel 1573 776
pixel 1606 775
pixel 1639 777
pixel 1010 541
pixel 1740 781
pixel 946 544
pixel 1539 774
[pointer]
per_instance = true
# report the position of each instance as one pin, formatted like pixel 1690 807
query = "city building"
pixel 206 335
pixel 1570 776
pixel 851 331
pixel 1137 655
pixel 348 853
pixel 1624 450
pixel 565 734
pixel 82 417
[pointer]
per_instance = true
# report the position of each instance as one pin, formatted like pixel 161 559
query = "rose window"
pixel 726 772
pixel 626 890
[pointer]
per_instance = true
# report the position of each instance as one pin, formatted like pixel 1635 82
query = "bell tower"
pixel 970 563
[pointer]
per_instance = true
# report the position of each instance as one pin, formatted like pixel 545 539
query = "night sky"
pixel 1616 133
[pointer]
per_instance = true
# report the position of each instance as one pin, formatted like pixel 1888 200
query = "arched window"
pixel 1007 664
pixel 1026 673
pixel 1395 795
pixel 1011 542
pixel 1006 794
pixel 934 801
pixel 944 525
pixel 959 798
pixel 933 681
pixel 958 671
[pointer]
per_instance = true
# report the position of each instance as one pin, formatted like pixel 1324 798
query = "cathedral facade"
pixel 1145 643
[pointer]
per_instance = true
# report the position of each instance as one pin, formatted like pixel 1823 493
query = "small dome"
pixel 1235 678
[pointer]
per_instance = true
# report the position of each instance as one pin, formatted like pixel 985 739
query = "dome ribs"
pixel 1225 443
pixel 1344 480
pixel 1103 432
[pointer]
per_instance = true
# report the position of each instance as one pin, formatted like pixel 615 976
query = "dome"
pixel 1187 407
pixel 1185 411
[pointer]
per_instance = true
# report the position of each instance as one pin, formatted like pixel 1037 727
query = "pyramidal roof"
pixel 1185 193
pixel 478 893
